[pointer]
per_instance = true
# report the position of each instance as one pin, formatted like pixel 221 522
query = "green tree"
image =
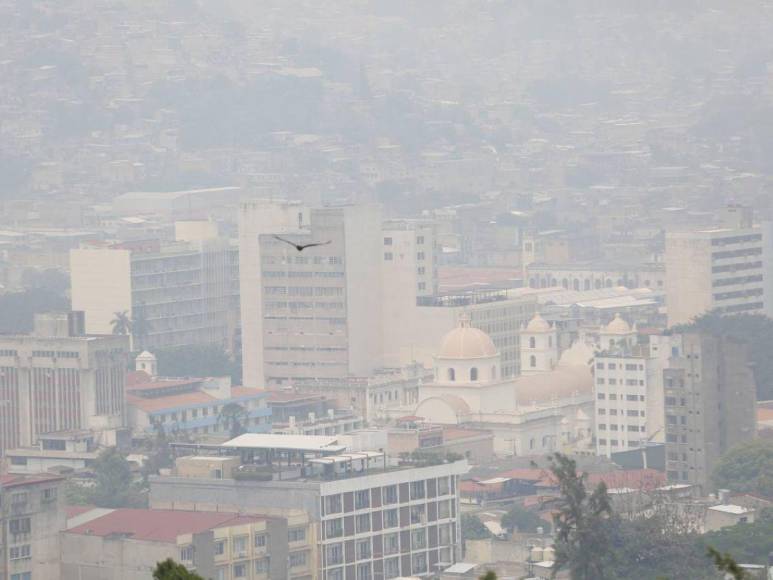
pixel 489 575
pixel 121 323
pixel 233 418
pixel 725 563
pixel 114 481
pixel 171 570
pixel 473 528
pixel 523 520
pixel 18 309
pixel 582 539
pixel 747 467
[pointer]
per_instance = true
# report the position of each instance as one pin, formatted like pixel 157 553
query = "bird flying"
pixel 301 247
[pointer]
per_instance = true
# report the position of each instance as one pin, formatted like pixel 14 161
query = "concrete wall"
pixel 101 286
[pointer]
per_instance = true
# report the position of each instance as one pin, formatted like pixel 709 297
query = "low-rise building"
pixel 363 517
pixel 31 517
pixel 126 544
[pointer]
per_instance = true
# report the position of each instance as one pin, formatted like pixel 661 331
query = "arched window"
pixel 565 283
pixel 609 282
pixel 587 284
pixel 532 342
pixel 494 372
pixel 598 284
pixel 533 283
pixel 576 284
pixel 532 361
pixel 531 443
pixel 451 375
pixel 474 374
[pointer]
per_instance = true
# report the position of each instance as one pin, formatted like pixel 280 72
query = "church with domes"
pixel 546 409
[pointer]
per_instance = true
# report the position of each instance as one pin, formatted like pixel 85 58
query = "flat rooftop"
pixel 311 443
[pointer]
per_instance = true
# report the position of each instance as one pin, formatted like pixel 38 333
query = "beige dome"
pixel 538 324
pixel 562 383
pixel 465 342
pixel 618 326
pixel 579 354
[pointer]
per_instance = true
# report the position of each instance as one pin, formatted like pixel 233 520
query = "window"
pixel 20 526
pixel 22 576
pixel 613 412
pixel 419 539
pixel 532 342
pixel 20 552
pixel 296 535
pixel 419 563
pixel 336 574
pixel 390 518
pixel 260 540
pixel 418 514
pixel 297 559
pixel 222 573
pixel 443 509
pixel 391 543
pixel 239 546
pixel 602 411
pixel 361 499
pixel 262 566
pixel 334 554
pixel 443 486
pixel 532 361
pixel 602 426
pixel 334 528
pixel 220 548
pixel 601 396
pixel 421 270
pixel 451 375
pixel 444 534
pixel 391 568
pixel 388 256
pixel 49 494
pixel 473 374
pixel 390 494
pixel 333 504
pixel 240 570
pixel 362 522
pixel 420 256
pixel 417 489
pixel 186 553
pixel 419 239
pixel 363 571
pixel 387 241
pixel 363 549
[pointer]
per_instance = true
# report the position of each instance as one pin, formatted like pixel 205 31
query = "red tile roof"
pixel 75 510
pixel 10 480
pixel 162 384
pixel 159 525
pixel 186 399
pixel 639 479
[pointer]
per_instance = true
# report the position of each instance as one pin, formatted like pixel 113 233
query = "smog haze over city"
pixel 386 289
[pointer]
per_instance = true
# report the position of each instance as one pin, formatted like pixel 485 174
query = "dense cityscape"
pixel 382 289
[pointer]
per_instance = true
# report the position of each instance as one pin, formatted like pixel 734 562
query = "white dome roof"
pixel 618 326
pixel 579 354
pixel 465 342
pixel 538 324
pixel 145 355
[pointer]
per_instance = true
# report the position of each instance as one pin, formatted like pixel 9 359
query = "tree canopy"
pixel 114 482
pixel 522 520
pixel 18 309
pixel 473 528
pixel 171 570
pixel 748 467
pixel 753 329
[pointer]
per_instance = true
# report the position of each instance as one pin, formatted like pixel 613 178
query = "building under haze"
pixel 724 269
pixel 31 517
pixel 310 314
pixel 61 379
pixel 709 396
pixel 176 295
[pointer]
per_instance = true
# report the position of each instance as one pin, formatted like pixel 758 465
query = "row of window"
pixel 615 427
pixel 388 240
pixel 420 256
pixel 613 366
pixel 332 260
pixel 628 382
pixel 417 514
pixel 50 353
pixel 616 443
pixel 241 569
pixel 333 504
pixel 613 397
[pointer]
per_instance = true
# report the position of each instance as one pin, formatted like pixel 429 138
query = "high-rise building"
pixel 628 387
pixel 709 403
pixel 175 295
pixel 314 313
pixel 61 379
pixel 723 269
pixel 31 518
pixel 364 518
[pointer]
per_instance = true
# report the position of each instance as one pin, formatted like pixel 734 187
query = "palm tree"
pixel 233 418
pixel 121 323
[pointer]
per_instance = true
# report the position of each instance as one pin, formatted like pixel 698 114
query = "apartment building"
pixel 126 544
pixel 724 269
pixel 316 313
pixel 409 259
pixel 61 379
pixel 175 294
pixel 709 403
pixel 31 517
pixel 364 519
